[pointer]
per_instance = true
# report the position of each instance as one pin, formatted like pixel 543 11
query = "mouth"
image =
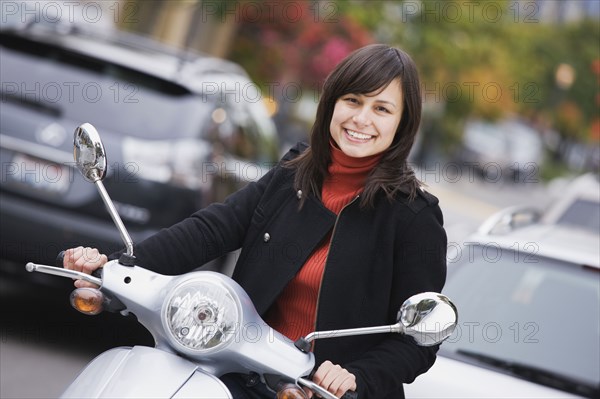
pixel 357 136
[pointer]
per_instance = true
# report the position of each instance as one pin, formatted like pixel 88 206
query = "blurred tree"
pixel 482 59
pixel 205 26
pixel 295 41
pixel 288 48
pixel 493 59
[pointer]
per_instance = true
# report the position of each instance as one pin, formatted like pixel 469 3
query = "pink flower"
pixel 330 55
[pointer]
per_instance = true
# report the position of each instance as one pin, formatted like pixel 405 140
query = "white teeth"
pixel 358 135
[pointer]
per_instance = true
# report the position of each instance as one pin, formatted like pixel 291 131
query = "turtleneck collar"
pixel 338 157
pixel 347 175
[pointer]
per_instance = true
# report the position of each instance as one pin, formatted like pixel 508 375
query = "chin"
pixel 357 152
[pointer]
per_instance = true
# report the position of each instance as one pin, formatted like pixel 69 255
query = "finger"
pixel 331 375
pixel 79 261
pixel 335 379
pixel 84 284
pixel 344 382
pixel 91 255
pixel 70 257
pixel 92 265
pixel 322 371
pixel 87 260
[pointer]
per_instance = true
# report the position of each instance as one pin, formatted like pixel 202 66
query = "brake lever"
pixel 58 271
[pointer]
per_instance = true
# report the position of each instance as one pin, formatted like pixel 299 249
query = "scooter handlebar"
pixel 60 258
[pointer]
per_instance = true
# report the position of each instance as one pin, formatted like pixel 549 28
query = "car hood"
pixel 449 378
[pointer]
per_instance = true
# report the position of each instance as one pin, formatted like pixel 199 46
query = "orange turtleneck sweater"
pixel 294 313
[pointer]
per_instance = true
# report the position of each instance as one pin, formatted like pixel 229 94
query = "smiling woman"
pixel 374 92
pixel 365 235
pixel 365 124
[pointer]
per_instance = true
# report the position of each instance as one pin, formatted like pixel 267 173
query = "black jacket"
pixel 377 258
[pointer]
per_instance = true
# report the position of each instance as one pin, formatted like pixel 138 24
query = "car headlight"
pixel 180 162
pixel 201 314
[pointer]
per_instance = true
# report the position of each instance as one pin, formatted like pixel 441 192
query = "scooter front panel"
pixel 203 386
pixel 142 372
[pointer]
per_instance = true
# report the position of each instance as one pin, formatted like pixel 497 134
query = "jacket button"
pixel 299 194
pixel 266 237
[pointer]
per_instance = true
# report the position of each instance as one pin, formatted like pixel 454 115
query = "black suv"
pixel 180 130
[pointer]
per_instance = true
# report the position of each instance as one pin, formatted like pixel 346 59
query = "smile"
pixel 358 135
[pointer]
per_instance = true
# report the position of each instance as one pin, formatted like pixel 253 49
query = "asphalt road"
pixel 45 343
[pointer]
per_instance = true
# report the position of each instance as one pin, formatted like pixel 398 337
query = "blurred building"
pixel 205 26
pixel 21 13
pixel 563 11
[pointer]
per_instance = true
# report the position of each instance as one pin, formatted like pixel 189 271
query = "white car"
pixel 577 204
pixel 508 150
pixel 528 299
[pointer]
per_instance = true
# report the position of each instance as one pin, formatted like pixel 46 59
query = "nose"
pixel 362 117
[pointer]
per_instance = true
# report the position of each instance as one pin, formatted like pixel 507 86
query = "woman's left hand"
pixel 334 378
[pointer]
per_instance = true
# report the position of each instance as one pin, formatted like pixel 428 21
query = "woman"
pixel 336 236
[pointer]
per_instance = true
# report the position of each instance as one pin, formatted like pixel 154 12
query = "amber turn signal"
pixel 291 391
pixel 87 300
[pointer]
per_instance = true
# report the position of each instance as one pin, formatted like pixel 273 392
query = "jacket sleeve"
pixel 420 266
pixel 208 233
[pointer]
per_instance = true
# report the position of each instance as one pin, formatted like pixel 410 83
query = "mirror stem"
pixel 304 343
pixel 117 219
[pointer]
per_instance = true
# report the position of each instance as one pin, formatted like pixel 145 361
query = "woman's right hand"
pixel 84 260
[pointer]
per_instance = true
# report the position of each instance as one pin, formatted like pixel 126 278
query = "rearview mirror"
pixel 429 318
pixel 90 156
pixel 89 153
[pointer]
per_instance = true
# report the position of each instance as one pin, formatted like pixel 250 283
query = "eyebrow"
pixel 377 101
pixel 386 102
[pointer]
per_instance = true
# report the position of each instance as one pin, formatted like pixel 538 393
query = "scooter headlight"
pixel 201 314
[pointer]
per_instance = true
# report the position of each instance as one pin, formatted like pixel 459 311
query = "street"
pixel 45 343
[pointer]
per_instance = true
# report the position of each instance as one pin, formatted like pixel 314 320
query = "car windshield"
pixel 528 311
pixel 582 213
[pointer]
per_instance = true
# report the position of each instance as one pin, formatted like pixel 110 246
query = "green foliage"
pixel 492 59
pixel 483 59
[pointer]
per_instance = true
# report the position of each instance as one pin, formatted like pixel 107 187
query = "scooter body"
pixel 143 372
pixel 179 367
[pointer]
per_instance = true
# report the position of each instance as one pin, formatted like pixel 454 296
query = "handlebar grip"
pixel 97 272
pixel 350 395
pixel 60 259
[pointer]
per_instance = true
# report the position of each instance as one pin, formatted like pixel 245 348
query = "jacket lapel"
pixel 283 245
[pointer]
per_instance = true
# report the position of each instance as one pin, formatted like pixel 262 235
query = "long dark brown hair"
pixel 367 70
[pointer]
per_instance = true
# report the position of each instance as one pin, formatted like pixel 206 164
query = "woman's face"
pixel 364 125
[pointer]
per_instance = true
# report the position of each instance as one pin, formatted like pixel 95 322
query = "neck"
pixel 346 178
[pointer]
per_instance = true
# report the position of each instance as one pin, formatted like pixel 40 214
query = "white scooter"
pixel 203 323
